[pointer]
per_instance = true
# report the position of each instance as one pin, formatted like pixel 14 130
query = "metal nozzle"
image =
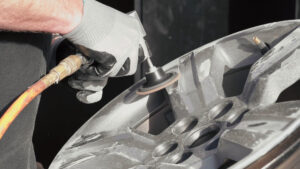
pixel 261 45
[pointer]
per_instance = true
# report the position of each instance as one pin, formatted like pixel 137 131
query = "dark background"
pixel 174 27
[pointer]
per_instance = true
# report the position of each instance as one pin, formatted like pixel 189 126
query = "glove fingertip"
pixel 89 97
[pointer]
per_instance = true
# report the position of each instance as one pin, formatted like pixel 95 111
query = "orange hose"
pixel 65 68
pixel 22 101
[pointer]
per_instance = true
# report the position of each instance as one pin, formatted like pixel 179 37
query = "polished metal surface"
pixel 224 107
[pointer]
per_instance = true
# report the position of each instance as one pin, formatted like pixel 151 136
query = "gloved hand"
pixel 109 37
pixel 86 81
pixel 110 41
pixel 90 86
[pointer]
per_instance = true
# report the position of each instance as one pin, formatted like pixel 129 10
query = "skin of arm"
pixel 53 16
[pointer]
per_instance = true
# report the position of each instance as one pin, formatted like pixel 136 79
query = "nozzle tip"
pixel 256 40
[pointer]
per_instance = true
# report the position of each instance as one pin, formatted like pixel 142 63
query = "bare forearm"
pixel 54 16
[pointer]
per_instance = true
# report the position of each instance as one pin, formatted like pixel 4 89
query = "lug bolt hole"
pixel 180 157
pixel 185 125
pixel 165 148
pixel 201 136
pixel 220 110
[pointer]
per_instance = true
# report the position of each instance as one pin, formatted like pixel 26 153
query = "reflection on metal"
pixel 202 126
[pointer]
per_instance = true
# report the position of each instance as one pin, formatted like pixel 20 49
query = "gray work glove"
pixel 110 41
pixel 90 85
